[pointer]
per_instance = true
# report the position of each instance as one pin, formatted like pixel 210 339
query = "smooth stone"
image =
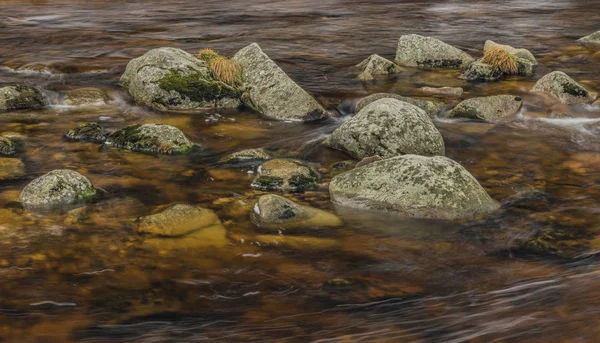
pixel 274 211
pixel 178 220
pixel 150 138
pixel 428 52
pixel 521 53
pixel 11 168
pixel 246 157
pixel 560 86
pixel 443 91
pixel 168 79
pixel 430 107
pixel 414 186
pixel 7 147
pixel 375 66
pixel 57 188
pixel 271 92
pixel 591 41
pixel 285 175
pixel 490 108
pixel 85 96
pixel 388 127
pixel 21 97
pixel 87 132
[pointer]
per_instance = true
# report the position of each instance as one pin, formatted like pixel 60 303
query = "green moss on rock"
pixel 574 90
pixel 267 183
pixel 7 147
pixel 150 138
pixel 89 132
pixel 197 87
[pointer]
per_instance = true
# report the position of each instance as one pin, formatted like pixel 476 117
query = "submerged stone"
pixel 7 147
pixel 172 79
pixel 490 108
pixel 388 127
pixel 11 168
pixel 246 157
pixel 414 186
pixel 272 92
pixel 55 189
pixel 375 67
pixel 285 175
pixel 560 86
pixel 150 138
pixel 443 91
pixel 87 132
pixel 430 107
pixel 428 52
pixel 85 96
pixel 274 211
pixel 177 220
pixel 591 41
pixel 21 97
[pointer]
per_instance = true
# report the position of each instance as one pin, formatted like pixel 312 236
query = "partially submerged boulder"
pixel 172 79
pixel 591 41
pixel 388 127
pixel 21 97
pixel 7 147
pixel 489 108
pixel 61 187
pixel 285 175
pixel 150 138
pixel 430 107
pixel 442 91
pixel 274 211
pixel 560 86
pixel 521 53
pixel 479 71
pixel 85 97
pixel 414 186
pixel 246 157
pixel 428 52
pixel 375 66
pixel 270 90
pixel 87 132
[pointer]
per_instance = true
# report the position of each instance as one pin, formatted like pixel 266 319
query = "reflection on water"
pixel 528 273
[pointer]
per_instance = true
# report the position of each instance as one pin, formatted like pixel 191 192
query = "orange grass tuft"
pixel 502 60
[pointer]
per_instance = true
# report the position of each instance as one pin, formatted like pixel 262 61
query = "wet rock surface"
pixel 430 107
pixel 151 139
pixel 428 52
pixel 21 97
pixel 286 175
pixel 275 211
pixel 490 108
pixel 56 189
pixel 375 67
pixel 562 87
pixel 87 132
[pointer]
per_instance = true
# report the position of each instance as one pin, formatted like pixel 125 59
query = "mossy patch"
pixel 136 138
pixel 575 90
pixel 445 63
pixel 267 182
pixel 302 182
pixel 7 147
pixel 197 87
pixel 28 97
pixel 89 132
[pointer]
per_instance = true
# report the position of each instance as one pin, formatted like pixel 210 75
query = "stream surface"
pixel 528 273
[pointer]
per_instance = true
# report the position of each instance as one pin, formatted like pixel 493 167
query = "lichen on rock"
pixel 61 187
pixel 428 52
pixel 285 175
pixel 490 108
pixel 87 132
pixel 430 107
pixel 21 97
pixel 150 138
pixel 560 86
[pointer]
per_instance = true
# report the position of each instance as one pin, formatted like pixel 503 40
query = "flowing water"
pixel 528 273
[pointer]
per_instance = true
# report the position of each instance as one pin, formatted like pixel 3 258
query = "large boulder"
pixel 172 79
pixel 61 187
pixel 274 211
pixel 430 107
pixel 285 175
pixel 87 132
pixel 388 127
pixel 562 87
pixel 375 66
pixel 414 186
pixel 150 138
pixel 21 97
pixel 270 90
pixel 591 41
pixel 521 53
pixel 428 52
pixel 490 108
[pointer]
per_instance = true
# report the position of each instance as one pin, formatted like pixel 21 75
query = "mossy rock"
pixel 286 175
pixel 151 139
pixel 245 157
pixel 87 132
pixel 171 79
pixel 560 86
pixel 21 97
pixel 489 108
pixel 58 188
pixel 7 147
pixel 275 212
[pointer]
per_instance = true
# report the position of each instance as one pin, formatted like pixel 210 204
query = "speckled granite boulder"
pixel 285 175
pixel 428 52
pixel 489 108
pixel 55 189
pixel 375 66
pixel 430 107
pixel 562 87
pixel 150 138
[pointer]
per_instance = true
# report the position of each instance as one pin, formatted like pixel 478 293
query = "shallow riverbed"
pixel 528 273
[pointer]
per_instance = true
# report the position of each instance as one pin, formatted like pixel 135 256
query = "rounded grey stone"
pixel 55 189
pixel 428 52
pixel 490 108
pixel 560 86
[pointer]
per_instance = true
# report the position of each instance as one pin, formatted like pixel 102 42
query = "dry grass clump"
pixel 502 60
pixel 207 54
pixel 226 70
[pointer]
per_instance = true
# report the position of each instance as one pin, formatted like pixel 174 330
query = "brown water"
pixel 528 273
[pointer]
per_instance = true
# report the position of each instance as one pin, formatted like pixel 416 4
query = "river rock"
pixel 479 71
pixel 85 96
pixel 562 87
pixel 428 52
pixel 172 79
pixel 55 189
pixel 178 220
pixel 442 91
pixel 430 107
pixel 375 67
pixel 591 41
pixel 272 92
pixel 87 132
pixel 246 157
pixel 388 127
pixel 7 147
pixel 521 53
pixel 274 211
pixel 490 108
pixel 11 168
pixel 21 97
pixel 150 138
pixel 285 175
pixel 414 186
pixel 368 160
